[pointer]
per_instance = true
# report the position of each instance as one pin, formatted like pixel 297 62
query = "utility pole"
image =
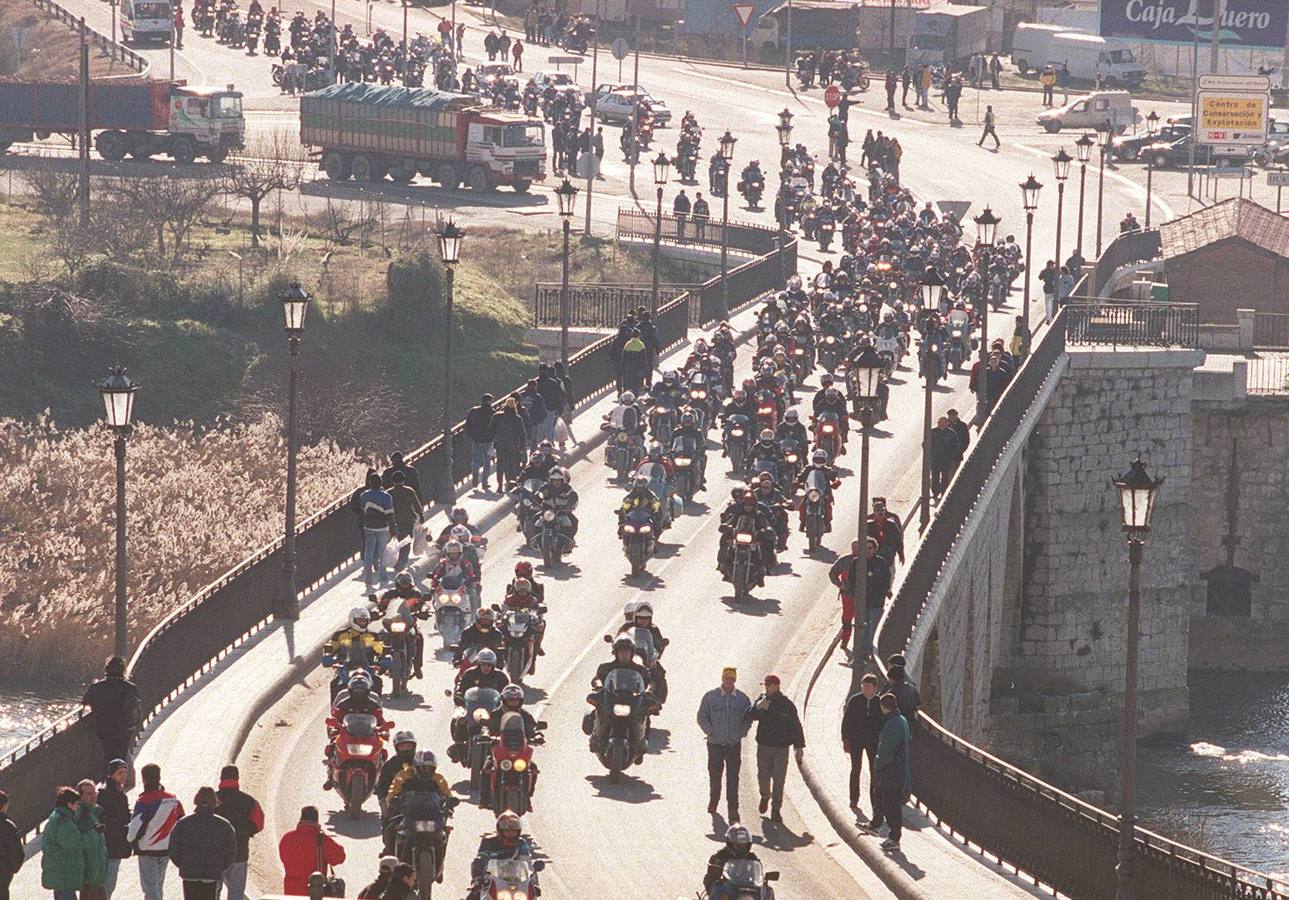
pixel 787 56
pixel 635 111
pixel 83 139
pixel 591 167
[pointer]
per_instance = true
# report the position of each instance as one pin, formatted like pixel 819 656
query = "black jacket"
pixel 11 852
pixel 779 725
pixel 905 691
pixel 945 447
pixel 716 865
pixel 397 890
pixel 203 845
pixel 243 812
pixel 116 820
pixel 478 424
pixel 963 431
pixel 392 767
pixel 114 705
pixel 374 890
pixel 861 723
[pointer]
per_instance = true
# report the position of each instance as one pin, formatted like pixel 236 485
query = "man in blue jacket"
pixel 202 847
pixel 724 716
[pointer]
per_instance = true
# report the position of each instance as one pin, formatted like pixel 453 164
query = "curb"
pixel 887 870
pixel 295 671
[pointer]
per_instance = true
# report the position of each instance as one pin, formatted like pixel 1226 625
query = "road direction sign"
pixel 832 96
pixel 1233 117
pixel 744 12
pixel 620 47
pixel 566 60
pixel 1278 179
pixel 1246 83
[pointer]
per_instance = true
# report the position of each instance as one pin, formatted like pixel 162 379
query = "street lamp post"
pixel 1061 167
pixel 566 194
pixel 1083 149
pixel 727 153
pixel 295 306
pixel 986 231
pixel 1103 143
pixel 1152 125
pixel 932 285
pixel 1137 499
pixel 866 372
pixel 1029 189
pixel 784 128
pixel 450 237
pixel 661 170
pixel 117 391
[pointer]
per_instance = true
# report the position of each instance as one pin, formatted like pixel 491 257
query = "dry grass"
pixel 49 49
pixel 199 500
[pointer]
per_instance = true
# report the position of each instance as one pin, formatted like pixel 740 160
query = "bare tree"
pixel 268 165
pixel 53 193
pixel 169 207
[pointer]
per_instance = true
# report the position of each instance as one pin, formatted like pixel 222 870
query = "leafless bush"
pixel 168 207
pixel 268 166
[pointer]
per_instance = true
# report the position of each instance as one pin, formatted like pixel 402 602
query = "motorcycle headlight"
pixel 622 438
pixel 742 538
pixel 397 627
pixel 452 599
pixel 681 461
pixel 506 765
pixel 548 516
pixel 622 709
pixel 503 894
pixel 480 716
pixel 645 529
pixel 736 432
pixel 791 457
pixel 629 529
pixel 521 765
pixel 659 410
pixel 798 352
pixel 700 395
pixel 827 429
pixel 518 895
pixel 426 826
pixel 360 749
pixel 767 409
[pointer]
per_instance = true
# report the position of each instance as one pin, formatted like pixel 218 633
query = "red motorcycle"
pixel 827 434
pixel 767 410
pixel 510 771
pixel 357 754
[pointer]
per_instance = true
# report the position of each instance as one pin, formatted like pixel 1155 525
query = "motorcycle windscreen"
pixel 510 871
pixel 481 698
pixel 627 681
pixel 743 873
pixel 360 724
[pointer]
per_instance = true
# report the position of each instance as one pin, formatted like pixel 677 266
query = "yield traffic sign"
pixel 744 12
pixel 832 96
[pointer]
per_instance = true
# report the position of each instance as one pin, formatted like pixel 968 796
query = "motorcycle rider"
pixel 507 843
pixel 519 595
pixel 558 494
pixel 458 516
pixel 738 845
pixel 483 674
pixel 512 703
pixel 624 649
pixel 357 697
pixel 410 607
pixel 766 448
pixel 640 497
pixel 482 634
pixel 642 617
pixel 540 464
pixel 818 463
pixel 524 569
pixel 689 429
pixel 744 506
pixel 422 776
pixel 716 174
pixel 455 562
pixel 353 646
pixel 404 752
pixel 740 403
pixel 751 180
pixel 831 400
pixel 791 429
pixel 769 496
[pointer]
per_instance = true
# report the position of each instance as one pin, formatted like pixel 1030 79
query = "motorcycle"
pixel 520 629
pixel 422 836
pixel 513 878
pixel 816 508
pixel 745 559
pixel 400 644
pixel 528 508
pixel 623 453
pixel 252 36
pixel 509 769
pixel 752 192
pixel 272 40
pixel 736 441
pixel 828 434
pixel 356 758
pixel 688 466
pixel 767 410
pixel 830 353
pixel 792 461
pixel 889 349
pixel 471 731
pixel 656 472
pixel 638 539
pixel 931 360
pixel 825 233
pixel 956 352
pixel 452 613
pixel 662 420
pixel 745 879
pixel 621 720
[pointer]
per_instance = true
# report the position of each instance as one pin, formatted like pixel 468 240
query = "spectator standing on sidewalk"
pixel 376 507
pixel 89 818
pixel 408 513
pixel 116 822
pixel 962 430
pixel 860 725
pixel 12 855
pixel 115 710
pixel 155 813
pixel 899 684
pixel 478 428
pixel 892 781
pixel 778 728
pixel 724 717
pixel 243 812
pixel 63 848
pixel 202 846
pixel 946 450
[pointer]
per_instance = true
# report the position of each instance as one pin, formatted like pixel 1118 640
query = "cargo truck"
pixel 139 118
pixel 367 131
pixel 947 35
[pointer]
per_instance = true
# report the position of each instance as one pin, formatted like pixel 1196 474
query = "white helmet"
pixel 486 656
pixel 628 398
pixel 461 534
pixel 357 614
pixel 629 609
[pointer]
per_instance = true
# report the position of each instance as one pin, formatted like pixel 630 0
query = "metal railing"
pixel 742 238
pixel 1271 331
pixel 598 305
pixel 106 45
pixel 224 614
pixel 1269 374
pixel 1131 323
pixel 1031 825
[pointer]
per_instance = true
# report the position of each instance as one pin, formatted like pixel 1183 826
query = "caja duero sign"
pixel 1245 23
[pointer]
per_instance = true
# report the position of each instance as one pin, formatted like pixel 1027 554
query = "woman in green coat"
pixel 62 848
pixel 89 818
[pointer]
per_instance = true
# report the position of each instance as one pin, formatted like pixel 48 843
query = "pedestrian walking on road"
pixel 924 87
pixel 12 855
pixel 1063 81
pixel 517 53
pixel 778 728
pixel 116 822
pixel 408 513
pixel 892 781
pixel 510 439
pixel 243 812
pixel 377 509
pixel 202 846
pixel 989 129
pixel 860 725
pixel 63 848
pixel 906 79
pixel 680 209
pixel 1047 78
pixel 702 213
pixel 179 26
pixel 155 813
pixel 952 94
pixel 115 710
pixel 633 370
pixel 891 83
pixel 962 430
pixel 478 428
pixel 724 716
pixel 945 452
pixel 845 574
pixel 303 848
pixel 89 819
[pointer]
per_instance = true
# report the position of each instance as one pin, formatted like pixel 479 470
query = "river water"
pixel 1225 789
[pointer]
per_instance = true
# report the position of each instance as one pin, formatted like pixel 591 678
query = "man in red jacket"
pixel 300 848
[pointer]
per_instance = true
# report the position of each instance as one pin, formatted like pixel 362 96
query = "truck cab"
pixel 509 145
pixel 146 21
pixel 211 117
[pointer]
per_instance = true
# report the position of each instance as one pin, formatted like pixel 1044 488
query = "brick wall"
pixel 1228 275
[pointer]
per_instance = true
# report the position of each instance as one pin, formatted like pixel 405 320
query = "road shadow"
pixel 912 869
pixel 423 195
pixel 410 701
pixel 823 554
pixel 659 739
pixel 630 789
pixel 666 551
pixel 645 581
pixel 534 694
pixel 753 606
pixel 366 826
pixel 778 836
pixel 563 572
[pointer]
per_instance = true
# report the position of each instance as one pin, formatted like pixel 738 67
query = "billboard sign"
pixel 1232 118
pixel 1246 24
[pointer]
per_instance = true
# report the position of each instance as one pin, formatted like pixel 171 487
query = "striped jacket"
pixel 155 815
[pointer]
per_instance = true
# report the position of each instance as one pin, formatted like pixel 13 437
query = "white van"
pixel 1090 55
pixel 1090 111
pixel 146 20
pixel 1030 45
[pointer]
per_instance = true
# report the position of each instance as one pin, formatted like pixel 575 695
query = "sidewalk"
pixel 929 863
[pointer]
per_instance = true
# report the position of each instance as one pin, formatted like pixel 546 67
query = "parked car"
pixel 613 103
pixel 1163 154
pixel 1089 111
pixel 490 73
pixel 561 81
pixel 1129 146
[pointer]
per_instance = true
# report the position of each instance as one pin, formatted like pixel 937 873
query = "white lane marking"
pixel 1156 201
